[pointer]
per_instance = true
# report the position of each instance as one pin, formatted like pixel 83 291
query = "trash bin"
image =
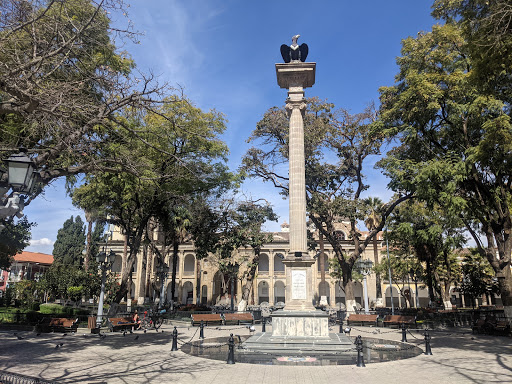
pixel 91 322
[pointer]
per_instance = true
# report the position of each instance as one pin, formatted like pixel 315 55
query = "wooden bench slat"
pixel 206 318
pixel 121 323
pixel 399 319
pixel 64 324
pixel 362 318
pixel 238 317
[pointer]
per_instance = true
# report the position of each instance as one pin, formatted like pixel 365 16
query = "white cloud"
pixel 43 241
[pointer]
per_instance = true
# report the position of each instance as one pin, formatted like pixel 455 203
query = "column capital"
pixel 295 104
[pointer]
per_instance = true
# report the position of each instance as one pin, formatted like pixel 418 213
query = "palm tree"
pixel 372 221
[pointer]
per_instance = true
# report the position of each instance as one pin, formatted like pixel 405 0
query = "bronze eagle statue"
pixel 295 52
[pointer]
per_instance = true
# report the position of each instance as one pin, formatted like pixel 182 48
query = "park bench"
pixel 207 318
pixel 238 318
pixel 62 324
pixel 502 327
pixel 120 323
pixel 362 318
pixel 399 320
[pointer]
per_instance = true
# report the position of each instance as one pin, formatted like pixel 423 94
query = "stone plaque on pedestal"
pixel 299 289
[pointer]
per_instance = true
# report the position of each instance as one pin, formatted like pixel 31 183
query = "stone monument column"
pixel 299 326
pixel 295 76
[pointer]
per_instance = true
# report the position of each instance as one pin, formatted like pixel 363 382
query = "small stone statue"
pixel 294 53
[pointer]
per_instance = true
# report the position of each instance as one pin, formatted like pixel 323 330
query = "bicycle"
pixel 152 319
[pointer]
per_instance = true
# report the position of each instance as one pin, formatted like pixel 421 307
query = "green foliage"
pixel 70 243
pixel 58 309
pixel 8 296
pixel 13 239
pixel 50 308
pixel 487 28
pixel 26 292
pixel 64 282
pixel 454 131
pixel 186 159
pixel 431 236
pixel 477 276
pixel 337 144
pixel 63 78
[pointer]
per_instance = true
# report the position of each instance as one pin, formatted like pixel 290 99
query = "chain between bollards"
pixel 201 331
pixel 428 351
pixel 174 340
pixel 231 353
pixel 404 334
pixel 359 348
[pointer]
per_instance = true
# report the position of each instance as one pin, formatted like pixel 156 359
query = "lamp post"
pixel 162 271
pixel 105 261
pixel 365 268
pixel 389 271
pixel 21 177
pixel 414 277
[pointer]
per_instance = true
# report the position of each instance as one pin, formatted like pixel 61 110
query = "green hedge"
pixel 50 309
pixel 57 309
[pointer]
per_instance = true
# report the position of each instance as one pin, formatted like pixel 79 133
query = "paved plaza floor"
pixel 458 357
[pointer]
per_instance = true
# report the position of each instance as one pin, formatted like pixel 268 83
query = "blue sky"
pixel 222 53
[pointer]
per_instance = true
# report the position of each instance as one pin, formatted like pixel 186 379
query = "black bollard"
pixel 263 323
pixel 231 353
pixel 201 330
pixel 404 334
pixel 174 340
pixel 341 325
pixel 359 348
pixel 428 351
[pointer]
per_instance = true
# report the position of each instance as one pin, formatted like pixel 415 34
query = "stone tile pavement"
pixel 458 357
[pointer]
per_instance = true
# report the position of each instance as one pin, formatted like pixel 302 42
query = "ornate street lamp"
pixel 162 270
pixel 365 268
pixel 21 177
pixel 105 261
pixel 20 171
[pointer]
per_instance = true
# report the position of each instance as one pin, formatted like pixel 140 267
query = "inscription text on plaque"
pixel 299 284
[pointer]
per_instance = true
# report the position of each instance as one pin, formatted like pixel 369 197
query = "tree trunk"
pixel 198 281
pixel 505 284
pixel 251 273
pixel 88 246
pixel 175 247
pixel 430 284
pixel 445 292
pixel 378 284
pixel 348 287
pixel 149 270
pixel 125 275
pixel 142 274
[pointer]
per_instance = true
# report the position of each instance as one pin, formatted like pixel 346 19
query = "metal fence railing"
pixel 14 378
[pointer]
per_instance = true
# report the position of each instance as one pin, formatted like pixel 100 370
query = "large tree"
pixel 182 156
pixel 454 142
pixel 64 84
pixel 336 147
pixel 70 243
pixel 430 235
pixel 224 229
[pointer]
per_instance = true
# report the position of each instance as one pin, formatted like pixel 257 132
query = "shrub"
pixel 51 309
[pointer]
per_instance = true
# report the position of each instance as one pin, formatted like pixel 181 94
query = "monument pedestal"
pixel 310 324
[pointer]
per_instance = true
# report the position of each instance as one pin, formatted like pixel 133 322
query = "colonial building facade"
pixel 269 284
